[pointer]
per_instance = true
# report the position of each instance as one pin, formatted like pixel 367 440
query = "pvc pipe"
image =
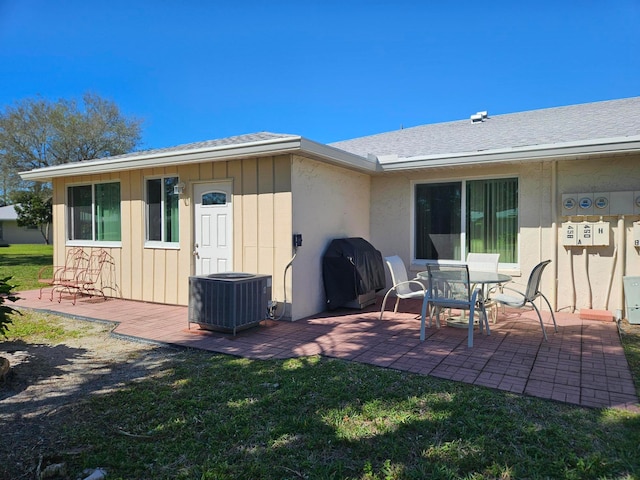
pixel 573 281
pixel 554 230
pixel 586 274
pixel 610 282
pixel 284 283
pixel 622 240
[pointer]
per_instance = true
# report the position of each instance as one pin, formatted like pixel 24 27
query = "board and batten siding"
pixel 262 222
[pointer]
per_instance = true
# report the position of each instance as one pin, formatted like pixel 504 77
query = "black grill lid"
pixel 351 267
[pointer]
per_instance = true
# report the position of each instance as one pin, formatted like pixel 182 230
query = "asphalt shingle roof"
pixel 236 140
pixel 589 121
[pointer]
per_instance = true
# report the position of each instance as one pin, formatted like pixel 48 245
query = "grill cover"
pixel 351 267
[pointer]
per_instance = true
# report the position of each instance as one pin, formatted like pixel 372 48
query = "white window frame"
pixel 159 244
pixel 463 218
pixel 90 243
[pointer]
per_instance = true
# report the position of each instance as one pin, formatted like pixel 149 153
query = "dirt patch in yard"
pixel 47 381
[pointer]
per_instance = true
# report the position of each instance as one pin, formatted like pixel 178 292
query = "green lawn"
pixel 23 262
pixel 210 416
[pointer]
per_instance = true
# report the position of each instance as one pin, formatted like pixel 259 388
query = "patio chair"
pixel 483 262
pixel 86 280
pixel 449 288
pixel 50 276
pixel 486 262
pixel 404 288
pixel 518 299
pixel 92 281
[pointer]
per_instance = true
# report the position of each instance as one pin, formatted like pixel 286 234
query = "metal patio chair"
pixel 402 286
pixel 518 299
pixel 50 276
pixel 405 289
pixel 449 288
pixel 483 262
pixel 486 262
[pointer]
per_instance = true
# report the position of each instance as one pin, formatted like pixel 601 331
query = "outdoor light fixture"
pixel 178 189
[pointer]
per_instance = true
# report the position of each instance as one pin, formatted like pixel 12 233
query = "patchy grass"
pixel 214 416
pixel 630 337
pixel 22 263
pixel 33 327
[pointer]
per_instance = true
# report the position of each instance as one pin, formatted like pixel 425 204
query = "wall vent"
pixel 228 301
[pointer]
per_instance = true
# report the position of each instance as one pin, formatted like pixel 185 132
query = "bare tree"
pixel 36 133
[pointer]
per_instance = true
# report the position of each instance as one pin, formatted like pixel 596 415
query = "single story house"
pixel 11 233
pixel 531 186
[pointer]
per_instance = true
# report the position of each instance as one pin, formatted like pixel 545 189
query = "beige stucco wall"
pixel 391 223
pixel 600 266
pixel 328 202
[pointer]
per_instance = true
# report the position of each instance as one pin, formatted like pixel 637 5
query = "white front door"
pixel 213 216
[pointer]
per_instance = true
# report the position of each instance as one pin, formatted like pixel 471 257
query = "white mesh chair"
pixel 483 262
pixel 449 288
pixel 486 262
pixel 404 289
pixel 517 299
pixel 402 286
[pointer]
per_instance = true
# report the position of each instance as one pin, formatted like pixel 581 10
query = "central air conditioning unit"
pixel 228 301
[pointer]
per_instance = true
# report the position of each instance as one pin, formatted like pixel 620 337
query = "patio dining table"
pixel 484 279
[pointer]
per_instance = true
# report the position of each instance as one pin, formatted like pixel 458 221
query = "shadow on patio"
pixel 582 364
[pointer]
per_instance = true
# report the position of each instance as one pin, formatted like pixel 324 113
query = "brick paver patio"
pixel 582 364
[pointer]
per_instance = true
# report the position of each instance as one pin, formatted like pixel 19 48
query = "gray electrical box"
pixel 632 298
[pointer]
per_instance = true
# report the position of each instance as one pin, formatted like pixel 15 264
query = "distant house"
pixel 11 233
pixel 518 184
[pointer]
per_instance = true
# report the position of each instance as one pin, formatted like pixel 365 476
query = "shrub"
pixel 5 310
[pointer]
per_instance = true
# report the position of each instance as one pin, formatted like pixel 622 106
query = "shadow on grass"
pixel 213 416
pixel 24 260
pixel 42 392
pixel 33 363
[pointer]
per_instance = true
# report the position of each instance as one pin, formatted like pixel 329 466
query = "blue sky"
pixel 327 70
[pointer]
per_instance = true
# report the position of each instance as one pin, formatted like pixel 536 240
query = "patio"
pixel 582 364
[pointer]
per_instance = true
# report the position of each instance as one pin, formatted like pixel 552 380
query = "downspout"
pixel 554 233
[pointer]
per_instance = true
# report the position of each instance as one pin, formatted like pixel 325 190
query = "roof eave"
pixel 180 157
pixel 338 157
pixel 277 146
pixel 517 154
